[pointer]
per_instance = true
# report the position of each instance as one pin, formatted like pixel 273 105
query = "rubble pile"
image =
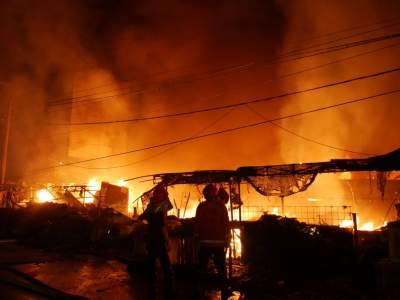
pixel 51 225
pixel 282 252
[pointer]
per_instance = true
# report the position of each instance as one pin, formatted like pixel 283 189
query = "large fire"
pixel 87 195
pixel 93 186
pixel 247 215
pixel 43 195
pixel 363 226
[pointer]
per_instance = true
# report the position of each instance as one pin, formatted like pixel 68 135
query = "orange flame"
pixel 43 195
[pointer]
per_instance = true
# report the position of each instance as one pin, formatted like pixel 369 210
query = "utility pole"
pixel 5 145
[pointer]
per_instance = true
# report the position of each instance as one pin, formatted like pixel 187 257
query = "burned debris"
pixel 270 253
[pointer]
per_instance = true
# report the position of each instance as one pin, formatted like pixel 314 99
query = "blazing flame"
pixel 44 195
pixel 275 211
pixel 365 226
pixel 313 199
pixel 369 226
pixel 121 182
pixel 93 186
pixel 346 224
pixel 235 244
pixel 87 195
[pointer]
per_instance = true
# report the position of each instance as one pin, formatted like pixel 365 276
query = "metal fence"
pixel 322 215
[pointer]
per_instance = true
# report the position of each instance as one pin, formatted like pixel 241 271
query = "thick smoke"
pixel 171 56
pixel 170 50
pixel 367 127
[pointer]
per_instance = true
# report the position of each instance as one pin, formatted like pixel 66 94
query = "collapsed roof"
pixel 283 180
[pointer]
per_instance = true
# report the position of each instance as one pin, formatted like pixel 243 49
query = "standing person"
pixel 157 242
pixel 212 229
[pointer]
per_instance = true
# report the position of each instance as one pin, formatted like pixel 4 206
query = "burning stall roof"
pixel 283 180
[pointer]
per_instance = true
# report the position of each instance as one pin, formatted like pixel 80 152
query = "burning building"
pixel 102 93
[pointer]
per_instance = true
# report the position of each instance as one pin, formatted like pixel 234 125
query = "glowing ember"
pixel 236 244
pixel 346 224
pixel 313 199
pixel 369 226
pixel 121 182
pixel 44 195
pixel 93 186
pixel 275 211
pixel 345 176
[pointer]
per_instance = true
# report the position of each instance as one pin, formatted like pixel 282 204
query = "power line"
pixel 306 138
pixel 325 35
pixel 335 61
pixel 278 77
pixel 339 31
pixel 330 49
pixel 228 130
pixel 219 119
pixel 235 104
pixel 341 38
pixel 239 68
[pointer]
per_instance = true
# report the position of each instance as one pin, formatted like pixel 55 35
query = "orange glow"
pixel 369 226
pixel 313 199
pixel 93 186
pixel 275 211
pixel 345 176
pixel 235 244
pixel 363 226
pixel 44 195
pixel 121 182
pixel 346 224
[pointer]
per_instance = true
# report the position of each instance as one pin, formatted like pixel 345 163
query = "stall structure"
pixel 278 180
pixel 281 180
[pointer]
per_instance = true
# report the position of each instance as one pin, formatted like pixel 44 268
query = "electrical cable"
pixel 325 35
pixel 240 68
pixel 280 77
pixel 220 118
pixel 232 129
pixel 341 38
pixel 335 61
pixel 215 108
pixel 306 138
pixel 344 30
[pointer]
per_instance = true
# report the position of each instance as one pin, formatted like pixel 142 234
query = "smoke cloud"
pixel 56 50
pixel 81 61
pixel 171 56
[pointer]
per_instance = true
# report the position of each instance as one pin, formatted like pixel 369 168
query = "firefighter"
pixel 157 242
pixel 212 230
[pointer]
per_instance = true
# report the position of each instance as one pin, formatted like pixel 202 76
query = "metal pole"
pixel 5 145
pixel 240 202
pixel 232 236
pixel 355 230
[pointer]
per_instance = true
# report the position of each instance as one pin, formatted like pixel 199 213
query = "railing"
pixel 322 215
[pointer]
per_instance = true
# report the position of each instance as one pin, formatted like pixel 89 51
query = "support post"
pixel 355 231
pixel 240 201
pixel 230 263
pixel 5 145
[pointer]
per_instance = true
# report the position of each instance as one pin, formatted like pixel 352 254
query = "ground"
pixel 89 276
